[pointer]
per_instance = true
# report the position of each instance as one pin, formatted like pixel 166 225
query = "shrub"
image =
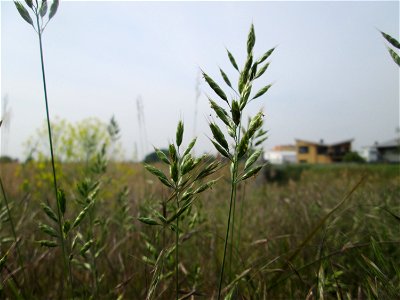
pixel 4 159
pixel 353 157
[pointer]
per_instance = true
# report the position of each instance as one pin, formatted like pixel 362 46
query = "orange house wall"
pixel 312 157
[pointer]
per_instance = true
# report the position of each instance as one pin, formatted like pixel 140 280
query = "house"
pixel 321 153
pixel 283 154
pixel 369 153
pixel 389 151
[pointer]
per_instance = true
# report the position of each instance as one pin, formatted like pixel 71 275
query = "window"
pixel 322 150
pixel 303 149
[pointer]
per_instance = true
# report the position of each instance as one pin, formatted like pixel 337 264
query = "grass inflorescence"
pixel 241 137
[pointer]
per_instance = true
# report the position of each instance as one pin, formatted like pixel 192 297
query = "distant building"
pixel 321 153
pixel 283 154
pixel 369 153
pixel 389 151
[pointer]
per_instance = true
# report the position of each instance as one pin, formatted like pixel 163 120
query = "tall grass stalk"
pixel 259 137
pixel 252 70
pixel 55 185
pixel 185 174
pixel 39 13
pixel 233 199
pixel 241 200
pixel 231 214
pixel 93 254
pixel 177 249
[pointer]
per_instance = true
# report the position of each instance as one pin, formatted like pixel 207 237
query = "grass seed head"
pixel 232 60
pixel 219 136
pixel 251 39
pixel 215 87
pixel 255 124
pixel 235 112
pixel 179 133
pixel 174 171
pixel 265 56
pixel 173 154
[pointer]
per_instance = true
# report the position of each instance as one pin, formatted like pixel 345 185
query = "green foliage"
pixel 78 220
pixel 75 142
pixel 394 43
pixel 353 157
pixel 95 141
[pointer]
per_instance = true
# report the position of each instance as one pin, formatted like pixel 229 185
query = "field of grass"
pixel 75 224
pixel 353 254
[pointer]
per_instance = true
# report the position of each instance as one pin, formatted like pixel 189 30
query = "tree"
pixel 76 142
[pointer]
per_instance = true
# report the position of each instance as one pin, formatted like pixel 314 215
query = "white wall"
pixel 280 157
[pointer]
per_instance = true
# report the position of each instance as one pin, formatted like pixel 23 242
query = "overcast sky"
pixel 333 77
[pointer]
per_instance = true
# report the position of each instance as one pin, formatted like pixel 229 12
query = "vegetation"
pixel 393 43
pixel 76 224
pixel 353 157
pixel 354 253
pixel 241 137
pixel 77 142
pixel 185 185
pixel 4 159
pixel 153 157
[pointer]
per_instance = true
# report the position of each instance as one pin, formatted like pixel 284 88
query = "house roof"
pixel 324 144
pixel 284 148
pixel 389 144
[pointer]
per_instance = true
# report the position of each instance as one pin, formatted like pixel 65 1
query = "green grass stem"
pixel 232 200
pixel 67 266
pixel 177 249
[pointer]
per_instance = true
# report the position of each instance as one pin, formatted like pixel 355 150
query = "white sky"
pixel 333 77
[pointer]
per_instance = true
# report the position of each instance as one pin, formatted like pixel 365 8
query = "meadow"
pixel 353 254
pixel 76 223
